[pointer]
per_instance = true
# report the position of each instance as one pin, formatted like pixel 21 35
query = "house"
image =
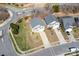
pixel 68 22
pixel 51 21
pixel 37 24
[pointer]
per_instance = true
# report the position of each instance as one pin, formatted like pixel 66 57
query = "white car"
pixel 73 49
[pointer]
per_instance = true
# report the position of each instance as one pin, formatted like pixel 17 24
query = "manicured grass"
pixel 22 37
pixel 14 45
pixel 76 32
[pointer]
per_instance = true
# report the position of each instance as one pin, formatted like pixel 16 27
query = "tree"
pixel 55 8
pixel 15 28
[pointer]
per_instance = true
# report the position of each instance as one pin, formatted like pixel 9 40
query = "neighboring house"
pixel 37 24
pixel 51 21
pixel 68 22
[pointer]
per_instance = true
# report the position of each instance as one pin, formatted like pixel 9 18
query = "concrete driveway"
pixel 45 40
pixel 60 36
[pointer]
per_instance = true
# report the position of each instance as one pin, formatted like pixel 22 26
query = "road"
pixel 6 47
pixel 56 51
pixel 6 44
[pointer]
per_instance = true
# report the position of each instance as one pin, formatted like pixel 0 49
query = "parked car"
pixel 73 49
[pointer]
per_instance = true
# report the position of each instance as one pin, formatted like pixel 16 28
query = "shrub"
pixel 15 28
pixel 20 21
pixel 55 8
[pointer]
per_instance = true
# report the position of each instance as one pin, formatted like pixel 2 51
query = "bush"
pixel 55 8
pixel 20 21
pixel 15 28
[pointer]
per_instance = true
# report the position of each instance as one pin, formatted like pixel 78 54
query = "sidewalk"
pixel 15 41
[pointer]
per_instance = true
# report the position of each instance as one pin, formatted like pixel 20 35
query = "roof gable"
pixel 49 19
pixel 36 21
pixel 68 21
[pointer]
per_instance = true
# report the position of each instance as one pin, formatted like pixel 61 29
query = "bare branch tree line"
pixel 69 8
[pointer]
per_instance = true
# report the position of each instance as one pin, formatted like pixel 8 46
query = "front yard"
pixel 63 30
pixel 76 32
pixel 51 35
pixel 64 34
pixel 26 39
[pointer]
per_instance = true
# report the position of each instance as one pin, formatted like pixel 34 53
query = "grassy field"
pixel 26 39
pixel 22 37
pixel 14 44
pixel 76 32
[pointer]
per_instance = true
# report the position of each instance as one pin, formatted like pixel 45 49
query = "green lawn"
pixel 14 45
pixel 22 37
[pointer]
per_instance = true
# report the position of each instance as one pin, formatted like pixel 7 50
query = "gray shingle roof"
pixel 50 18
pixel 36 21
pixel 68 21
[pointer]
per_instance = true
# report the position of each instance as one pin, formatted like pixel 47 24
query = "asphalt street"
pixel 57 50
pixel 6 47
